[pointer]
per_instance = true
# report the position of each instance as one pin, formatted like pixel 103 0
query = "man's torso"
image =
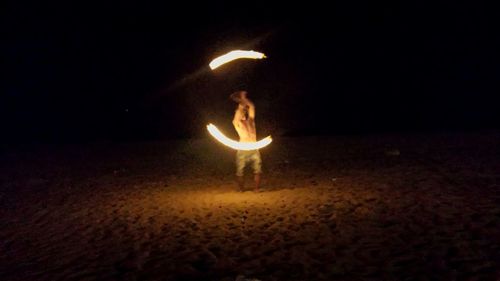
pixel 246 130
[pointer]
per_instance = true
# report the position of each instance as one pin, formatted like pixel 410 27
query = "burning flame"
pixel 234 55
pixel 218 135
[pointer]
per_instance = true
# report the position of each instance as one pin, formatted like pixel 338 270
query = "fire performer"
pixel 244 123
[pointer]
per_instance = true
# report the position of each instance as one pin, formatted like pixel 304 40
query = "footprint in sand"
pixel 151 220
pixel 232 226
pixel 133 261
pixel 201 260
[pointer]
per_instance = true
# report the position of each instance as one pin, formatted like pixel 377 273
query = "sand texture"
pixel 417 207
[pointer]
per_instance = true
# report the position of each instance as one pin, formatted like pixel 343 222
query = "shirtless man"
pixel 244 123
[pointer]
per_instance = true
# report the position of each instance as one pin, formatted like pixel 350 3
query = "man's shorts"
pixel 245 156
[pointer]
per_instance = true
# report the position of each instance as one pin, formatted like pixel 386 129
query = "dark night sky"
pixel 136 70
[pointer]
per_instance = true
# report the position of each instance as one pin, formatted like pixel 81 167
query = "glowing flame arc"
pixel 234 55
pixel 218 135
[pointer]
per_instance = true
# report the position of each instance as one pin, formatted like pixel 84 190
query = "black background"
pixel 82 71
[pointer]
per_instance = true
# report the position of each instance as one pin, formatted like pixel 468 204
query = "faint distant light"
pixel 234 55
pixel 218 135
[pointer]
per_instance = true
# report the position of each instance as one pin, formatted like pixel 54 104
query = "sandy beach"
pixel 408 207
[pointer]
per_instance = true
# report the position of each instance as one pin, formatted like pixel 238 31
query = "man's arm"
pixel 251 108
pixel 237 116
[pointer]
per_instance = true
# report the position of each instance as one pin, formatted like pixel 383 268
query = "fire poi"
pixel 212 129
pixel 234 55
pixel 218 135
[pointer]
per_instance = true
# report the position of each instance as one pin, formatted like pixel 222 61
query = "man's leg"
pixel 240 166
pixel 241 183
pixel 257 169
pixel 257 181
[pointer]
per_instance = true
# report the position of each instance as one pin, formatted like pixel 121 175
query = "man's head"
pixel 238 96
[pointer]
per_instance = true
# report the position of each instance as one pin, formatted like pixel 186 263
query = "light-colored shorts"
pixel 245 156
